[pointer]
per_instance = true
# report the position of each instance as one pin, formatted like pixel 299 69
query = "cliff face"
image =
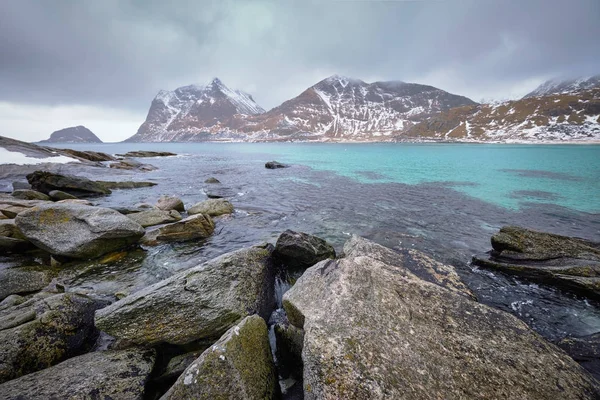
pixel 75 134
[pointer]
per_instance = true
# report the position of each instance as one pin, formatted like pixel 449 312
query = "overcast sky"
pixel 100 63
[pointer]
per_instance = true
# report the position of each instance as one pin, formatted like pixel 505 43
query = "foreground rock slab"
pixel 212 207
pixel 374 331
pixel 200 303
pixel 76 230
pixel 100 375
pixel 43 331
pixel 45 182
pixel 569 263
pixel 238 366
pixel 301 250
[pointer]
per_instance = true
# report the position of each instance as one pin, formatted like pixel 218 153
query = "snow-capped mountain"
pixel 569 112
pixel 187 111
pixel 345 108
pixel 569 86
pixel 74 134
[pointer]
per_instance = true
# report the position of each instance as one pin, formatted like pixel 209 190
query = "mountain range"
pixel 345 109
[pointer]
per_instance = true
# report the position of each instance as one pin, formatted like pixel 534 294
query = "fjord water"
pixel 444 199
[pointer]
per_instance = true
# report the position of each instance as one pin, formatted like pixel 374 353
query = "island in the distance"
pixel 74 134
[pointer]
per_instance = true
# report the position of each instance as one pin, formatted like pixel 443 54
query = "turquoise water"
pixel 505 175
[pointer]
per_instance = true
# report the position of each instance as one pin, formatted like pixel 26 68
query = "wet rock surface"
pixel 45 330
pixel 301 250
pixel 374 331
pixel 45 182
pixel 155 217
pixel 212 207
pixel 78 231
pixel 200 303
pixel 568 263
pixel 237 366
pixel 118 375
pixel 197 226
pixel 24 280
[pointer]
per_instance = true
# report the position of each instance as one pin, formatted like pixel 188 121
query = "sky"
pixel 100 63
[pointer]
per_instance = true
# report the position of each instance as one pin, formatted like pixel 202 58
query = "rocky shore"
pixel 362 322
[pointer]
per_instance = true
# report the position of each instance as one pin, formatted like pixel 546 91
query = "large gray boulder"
pixel 301 250
pixel 115 375
pixel 45 182
pixel 374 331
pixel 155 217
pixel 212 207
pixel 45 330
pixel 569 263
pixel 238 366
pixel 78 231
pixel 410 262
pixel 197 226
pixel 200 303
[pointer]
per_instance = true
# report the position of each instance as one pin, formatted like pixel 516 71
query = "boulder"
pixel 115 375
pixel 45 330
pixel 301 250
pixel 155 217
pixel 78 231
pixel 196 304
pixel 58 195
pixel 372 330
pixel 11 211
pixel 8 228
pixel 126 184
pixel 212 180
pixel 275 165
pixel 168 203
pixel 21 185
pixel 238 366
pixel 141 154
pixel 89 155
pixel 212 207
pixel 130 164
pixel 23 280
pixel 569 263
pixel 25 194
pixel 585 350
pixel 177 365
pixel 197 226
pixel 410 262
pixel 45 182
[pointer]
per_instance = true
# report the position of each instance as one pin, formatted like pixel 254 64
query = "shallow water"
pixel 446 200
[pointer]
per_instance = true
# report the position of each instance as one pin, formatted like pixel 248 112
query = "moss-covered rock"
pixel 76 230
pixel 26 194
pixel 372 331
pixel 23 280
pixel 115 375
pixel 45 330
pixel 238 366
pixel 200 303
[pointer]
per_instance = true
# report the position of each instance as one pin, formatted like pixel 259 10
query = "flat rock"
pixel 25 194
pixel 130 164
pixel 301 250
pixel 155 217
pixel 199 303
pixel 197 226
pixel 58 195
pixel 89 155
pixel 238 366
pixel 45 182
pixel 24 280
pixel 78 231
pixel 43 331
pixel 275 165
pixel 11 211
pixel 141 154
pixel 116 375
pixel 170 203
pixel 569 263
pixel 372 330
pixel 126 184
pixel 212 207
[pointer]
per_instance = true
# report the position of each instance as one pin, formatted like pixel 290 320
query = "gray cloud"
pixel 119 53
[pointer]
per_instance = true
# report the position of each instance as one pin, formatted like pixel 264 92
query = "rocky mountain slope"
pixel 186 112
pixel 74 134
pixel 556 111
pixel 337 108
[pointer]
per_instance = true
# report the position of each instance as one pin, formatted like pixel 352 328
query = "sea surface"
pixel 444 199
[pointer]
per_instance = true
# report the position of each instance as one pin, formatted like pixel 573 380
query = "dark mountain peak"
pixel 74 134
